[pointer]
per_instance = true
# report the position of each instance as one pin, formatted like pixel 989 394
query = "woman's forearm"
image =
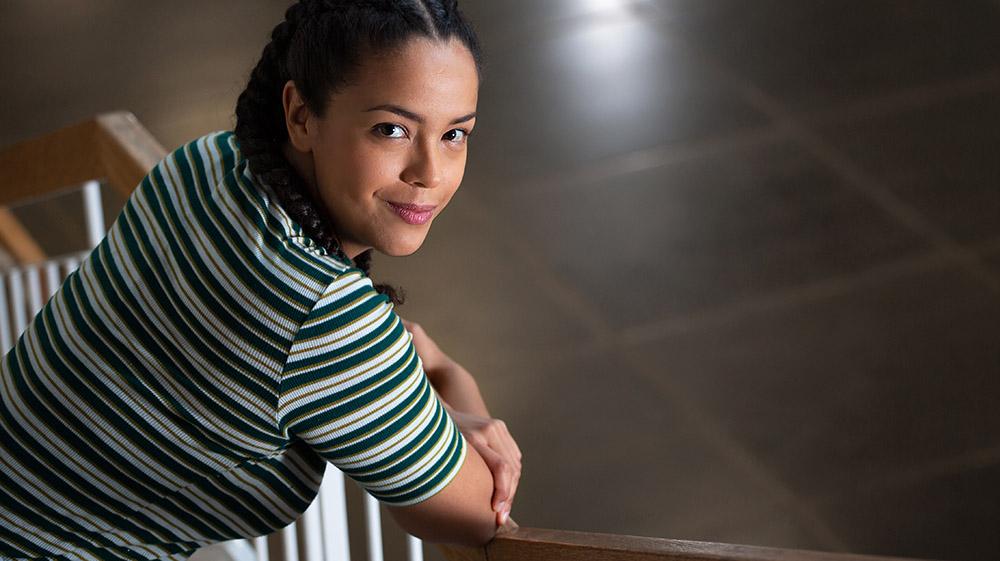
pixel 458 389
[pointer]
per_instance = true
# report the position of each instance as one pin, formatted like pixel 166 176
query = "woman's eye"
pixel 456 135
pixel 390 130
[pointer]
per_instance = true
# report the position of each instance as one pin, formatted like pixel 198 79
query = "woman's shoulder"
pixel 198 164
pixel 207 181
pixel 268 216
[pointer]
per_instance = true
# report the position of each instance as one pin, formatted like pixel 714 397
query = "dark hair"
pixel 319 46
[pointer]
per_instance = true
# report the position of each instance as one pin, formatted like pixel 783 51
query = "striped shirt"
pixel 189 382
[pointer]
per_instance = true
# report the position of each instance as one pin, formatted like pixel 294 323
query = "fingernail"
pixel 503 517
pixel 500 506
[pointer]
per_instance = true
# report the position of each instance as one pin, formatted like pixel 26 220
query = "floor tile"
pixel 703 233
pixel 602 453
pixel 591 90
pixel 938 159
pixel 950 517
pixel 811 55
pixel 846 393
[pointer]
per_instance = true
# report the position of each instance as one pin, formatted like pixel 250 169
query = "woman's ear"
pixel 297 118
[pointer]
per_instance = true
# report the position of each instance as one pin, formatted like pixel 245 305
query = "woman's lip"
pixel 414 208
pixel 413 214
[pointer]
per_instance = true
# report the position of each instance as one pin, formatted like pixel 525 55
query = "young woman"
pixel 189 382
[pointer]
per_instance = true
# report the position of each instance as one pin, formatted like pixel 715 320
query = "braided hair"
pixel 319 46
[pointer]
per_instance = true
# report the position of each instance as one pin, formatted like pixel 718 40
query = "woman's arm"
pixel 459 513
pixel 488 436
pixel 457 388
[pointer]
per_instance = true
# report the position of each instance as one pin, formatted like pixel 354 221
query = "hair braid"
pixel 318 46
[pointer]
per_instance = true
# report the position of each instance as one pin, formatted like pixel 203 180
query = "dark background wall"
pixel 729 269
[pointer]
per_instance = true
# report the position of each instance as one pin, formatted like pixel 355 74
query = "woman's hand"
pixel 490 437
pixel 494 443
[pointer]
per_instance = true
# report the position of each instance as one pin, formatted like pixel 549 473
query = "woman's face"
pixel 389 152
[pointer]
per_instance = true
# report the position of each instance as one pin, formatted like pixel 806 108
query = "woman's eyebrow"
pixel 413 116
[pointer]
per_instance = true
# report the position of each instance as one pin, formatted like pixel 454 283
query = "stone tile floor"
pixel 729 270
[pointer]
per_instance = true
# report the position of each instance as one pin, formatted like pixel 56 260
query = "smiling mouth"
pixel 413 214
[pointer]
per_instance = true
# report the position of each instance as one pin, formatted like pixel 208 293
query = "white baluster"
pixel 52 278
pixel 231 550
pixel 17 303
pixel 313 532
pixel 260 545
pixel 333 512
pixel 5 339
pixel 414 548
pixel 34 289
pixel 94 213
pixel 374 523
pixel 290 542
pixel 71 264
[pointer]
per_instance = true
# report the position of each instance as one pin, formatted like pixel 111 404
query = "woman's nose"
pixel 425 167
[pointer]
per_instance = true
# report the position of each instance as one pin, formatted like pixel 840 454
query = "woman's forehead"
pixel 424 76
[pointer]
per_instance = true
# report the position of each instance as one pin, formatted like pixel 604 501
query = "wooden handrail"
pixel 531 544
pixel 111 146
pixel 16 239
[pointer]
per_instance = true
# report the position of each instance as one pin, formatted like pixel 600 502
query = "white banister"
pixel 414 548
pixel 17 302
pixel 94 212
pixel 313 532
pixel 5 332
pixel 333 515
pixel 34 289
pixel 373 521
pixel 290 542
pixel 69 266
pixel 52 278
pixel 260 548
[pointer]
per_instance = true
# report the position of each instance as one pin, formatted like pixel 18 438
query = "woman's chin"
pixel 403 246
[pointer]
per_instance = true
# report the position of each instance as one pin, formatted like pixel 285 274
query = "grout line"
pixel 785 126
pixel 564 295
pixel 712 433
pixel 936 469
pixel 905 214
pixel 856 177
pixel 652 158
pixel 785 298
pixel 908 99
pixel 864 183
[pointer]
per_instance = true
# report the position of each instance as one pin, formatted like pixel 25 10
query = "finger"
pixel 504 513
pixel 513 490
pixel 502 477
pixel 514 483
pixel 504 443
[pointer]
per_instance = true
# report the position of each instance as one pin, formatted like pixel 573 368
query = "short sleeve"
pixel 354 389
